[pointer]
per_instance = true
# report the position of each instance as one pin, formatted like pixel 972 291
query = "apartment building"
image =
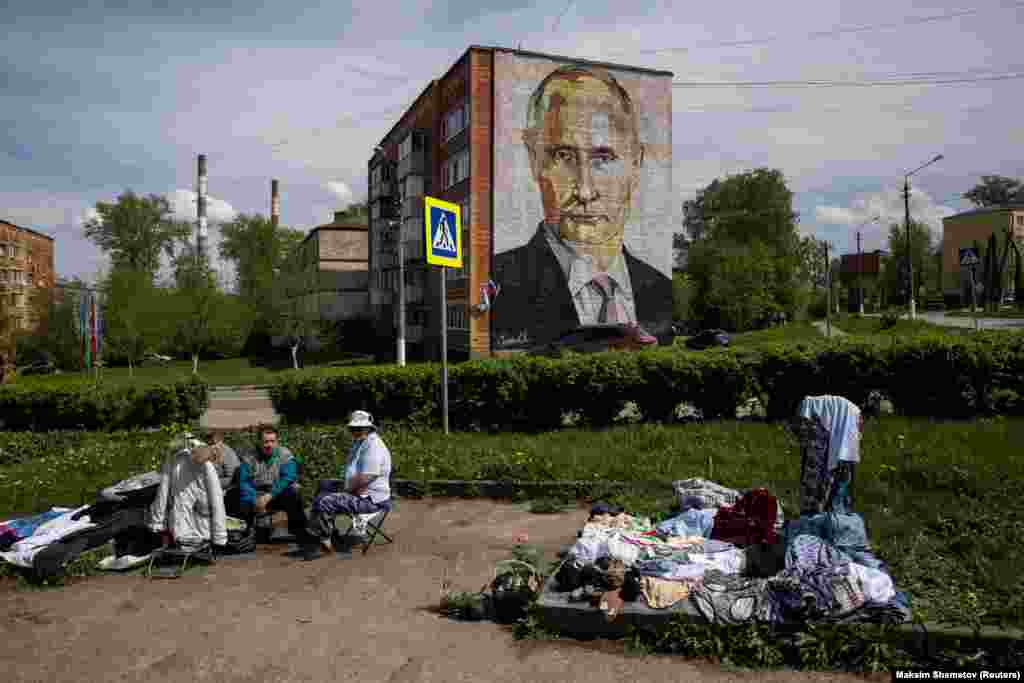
pixel 563 171
pixel 963 230
pixel 326 278
pixel 26 266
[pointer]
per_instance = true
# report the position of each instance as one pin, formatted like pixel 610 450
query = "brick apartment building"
pixel 26 266
pixel 501 133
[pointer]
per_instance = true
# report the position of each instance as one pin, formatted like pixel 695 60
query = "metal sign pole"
pixel 444 350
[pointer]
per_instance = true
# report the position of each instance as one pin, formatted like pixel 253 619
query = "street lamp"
pixel 860 263
pixel 906 204
pixel 400 350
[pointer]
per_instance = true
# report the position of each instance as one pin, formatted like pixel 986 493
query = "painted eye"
pixel 565 155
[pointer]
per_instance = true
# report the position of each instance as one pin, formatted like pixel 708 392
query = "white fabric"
pixel 592 545
pixel 876 584
pixel 111 563
pixel 711 495
pixel 728 562
pixel 24 551
pixel 361 418
pixel 841 417
pixel 190 502
pixel 136 483
pixel 622 550
pixel 371 456
pixel 580 270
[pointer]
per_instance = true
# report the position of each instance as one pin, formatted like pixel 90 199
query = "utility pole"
pixel 275 204
pixel 201 213
pixel 906 206
pixel 401 292
pixel 828 300
pixel 860 275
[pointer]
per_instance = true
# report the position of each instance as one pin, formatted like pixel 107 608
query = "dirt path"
pixel 367 619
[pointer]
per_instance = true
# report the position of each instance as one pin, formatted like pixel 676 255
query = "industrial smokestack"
pixel 275 204
pixel 201 210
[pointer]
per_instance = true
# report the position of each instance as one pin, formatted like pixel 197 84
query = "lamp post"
pixel 392 223
pixel 906 205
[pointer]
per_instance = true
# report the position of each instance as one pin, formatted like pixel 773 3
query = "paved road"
pixel 940 318
pixel 238 408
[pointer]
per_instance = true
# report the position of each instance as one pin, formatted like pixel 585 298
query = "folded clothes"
pixel 662 593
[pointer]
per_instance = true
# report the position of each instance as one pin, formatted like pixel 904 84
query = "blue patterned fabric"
pixel 16 530
pixel 693 522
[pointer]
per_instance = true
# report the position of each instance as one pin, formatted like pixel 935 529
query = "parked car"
pixel 153 358
pixel 598 338
pixel 43 367
pixel 708 339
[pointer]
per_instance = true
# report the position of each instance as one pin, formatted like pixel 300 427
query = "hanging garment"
pixel 190 502
pixel 662 593
pixel 751 520
pixel 24 551
pixel 829 428
pixel 14 530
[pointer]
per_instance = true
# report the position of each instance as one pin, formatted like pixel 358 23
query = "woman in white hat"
pixel 364 489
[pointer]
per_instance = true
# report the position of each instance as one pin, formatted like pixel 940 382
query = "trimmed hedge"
pixel 86 405
pixel 926 375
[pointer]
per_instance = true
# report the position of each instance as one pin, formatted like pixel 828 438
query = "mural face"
pixel 583 199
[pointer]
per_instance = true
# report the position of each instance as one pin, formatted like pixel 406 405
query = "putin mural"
pixel 583 216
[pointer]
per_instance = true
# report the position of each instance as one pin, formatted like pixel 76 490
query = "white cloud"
pixel 183 206
pixel 834 215
pixel 873 214
pixel 340 190
pixel 91 214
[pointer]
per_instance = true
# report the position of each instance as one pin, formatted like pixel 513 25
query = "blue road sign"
pixel 969 257
pixel 443 223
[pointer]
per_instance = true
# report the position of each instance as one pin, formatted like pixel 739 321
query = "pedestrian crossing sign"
pixel 444 233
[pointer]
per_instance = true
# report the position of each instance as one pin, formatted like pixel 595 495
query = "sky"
pixel 100 97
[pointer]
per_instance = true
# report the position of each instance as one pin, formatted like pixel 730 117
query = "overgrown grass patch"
pixel 940 503
pixel 790 332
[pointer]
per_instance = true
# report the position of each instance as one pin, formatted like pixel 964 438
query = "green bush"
pixel 83 404
pixel 927 374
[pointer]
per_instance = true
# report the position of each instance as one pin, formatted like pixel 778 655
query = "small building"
pixel 26 266
pixel 327 277
pixel 963 230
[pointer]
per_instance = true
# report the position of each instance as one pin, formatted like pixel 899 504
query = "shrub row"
pixel 89 406
pixel 934 376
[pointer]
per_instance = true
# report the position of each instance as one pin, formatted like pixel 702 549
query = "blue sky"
pixel 98 97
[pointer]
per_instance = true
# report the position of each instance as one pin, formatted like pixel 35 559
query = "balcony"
pixel 414 164
pixel 383 189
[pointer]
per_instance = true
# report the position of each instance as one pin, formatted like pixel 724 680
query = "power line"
pixel 830 33
pixel 897 81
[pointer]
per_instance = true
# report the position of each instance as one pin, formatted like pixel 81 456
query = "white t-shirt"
pixel 371 456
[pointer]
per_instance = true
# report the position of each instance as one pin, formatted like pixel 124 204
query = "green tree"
pixel 205 318
pixel 256 248
pixel 895 276
pixel 1018 277
pixel 733 283
pixel 135 231
pixel 356 212
pixel 682 288
pixel 135 315
pixel 995 190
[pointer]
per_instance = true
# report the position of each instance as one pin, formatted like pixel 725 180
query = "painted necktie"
pixel 611 309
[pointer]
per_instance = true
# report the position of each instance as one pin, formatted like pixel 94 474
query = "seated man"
pixel 266 483
pixel 365 489
pixel 189 506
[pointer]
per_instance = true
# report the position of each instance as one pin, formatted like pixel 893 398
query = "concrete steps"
pixel 238 408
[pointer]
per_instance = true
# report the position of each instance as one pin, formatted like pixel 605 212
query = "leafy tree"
pixel 995 190
pixel 733 284
pixel 357 212
pixel 291 318
pixel 682 287
pixel 205 318
pixel 135 230
pixel 895 276
pixel 135 315
pixel 1018 277
pixel 256 248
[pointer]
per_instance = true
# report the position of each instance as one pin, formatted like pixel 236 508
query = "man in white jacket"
pixel 189 506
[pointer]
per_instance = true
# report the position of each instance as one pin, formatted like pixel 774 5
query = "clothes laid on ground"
pixel 126 526
pixel 751 520
pixel 663 593
pixel 140 489
pixel 15 530
pixel 622 522
pixel 732 599
pixel 602 508
pixel 703 494
pixel 24 551
pixel 692 522
pixel 190 502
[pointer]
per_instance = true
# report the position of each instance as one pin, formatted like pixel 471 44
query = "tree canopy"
pixel 135 230
pixel 996 190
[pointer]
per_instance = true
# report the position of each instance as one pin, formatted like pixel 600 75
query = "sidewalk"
pixel 823 328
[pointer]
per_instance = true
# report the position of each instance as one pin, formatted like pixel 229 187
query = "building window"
pixel 457 318
pixel 405 147
pixel 1020 220
pixel 455 169
pixel 455 121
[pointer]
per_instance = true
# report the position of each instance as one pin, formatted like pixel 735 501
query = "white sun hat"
pixel 361 420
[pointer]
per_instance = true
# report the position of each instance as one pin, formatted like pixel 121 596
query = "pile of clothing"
pixel 732 556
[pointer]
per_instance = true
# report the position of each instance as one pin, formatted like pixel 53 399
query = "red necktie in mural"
pixel 611 309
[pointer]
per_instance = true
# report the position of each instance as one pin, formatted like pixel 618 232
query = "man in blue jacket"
pixel 266 481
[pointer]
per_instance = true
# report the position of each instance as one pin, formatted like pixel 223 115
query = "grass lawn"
pixel 863 326
pixel 226 372
pixel 944 510
pixel 790 332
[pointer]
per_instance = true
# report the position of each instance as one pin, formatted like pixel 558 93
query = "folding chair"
pixel 374 524
pixel 179 557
